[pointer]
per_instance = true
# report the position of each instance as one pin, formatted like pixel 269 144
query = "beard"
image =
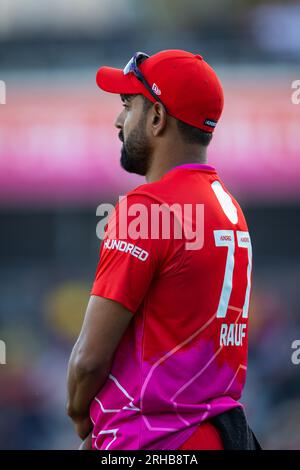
pixel 136 151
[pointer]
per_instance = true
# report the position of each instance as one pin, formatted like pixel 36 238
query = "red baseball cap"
pixel 187 86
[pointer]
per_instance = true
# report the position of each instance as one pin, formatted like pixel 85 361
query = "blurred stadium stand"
pixel 59 159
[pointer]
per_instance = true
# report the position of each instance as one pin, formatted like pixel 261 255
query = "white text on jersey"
pixel 126 247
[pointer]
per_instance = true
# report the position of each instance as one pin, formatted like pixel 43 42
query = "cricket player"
pixel 161 359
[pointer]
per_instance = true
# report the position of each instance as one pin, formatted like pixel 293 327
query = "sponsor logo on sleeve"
pixel 125 247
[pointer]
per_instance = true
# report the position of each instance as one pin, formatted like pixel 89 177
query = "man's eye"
pixel 125 106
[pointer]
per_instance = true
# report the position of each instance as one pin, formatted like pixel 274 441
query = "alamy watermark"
pixel 152 221
pixel 2 352
pixel 296 94
pixel 295 358
pixel 2 92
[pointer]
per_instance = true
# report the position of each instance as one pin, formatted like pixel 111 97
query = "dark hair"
pixel 190 134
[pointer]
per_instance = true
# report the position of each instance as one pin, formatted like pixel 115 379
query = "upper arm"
pixel 125 271
pixel 130 260
pixel 104 324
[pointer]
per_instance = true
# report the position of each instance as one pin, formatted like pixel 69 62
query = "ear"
pixel 158 118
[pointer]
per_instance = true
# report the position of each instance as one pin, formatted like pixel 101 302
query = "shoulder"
pixel 148 193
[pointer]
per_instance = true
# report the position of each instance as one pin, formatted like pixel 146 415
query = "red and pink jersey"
pixel 183 357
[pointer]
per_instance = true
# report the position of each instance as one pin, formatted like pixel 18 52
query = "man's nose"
pixel 119 122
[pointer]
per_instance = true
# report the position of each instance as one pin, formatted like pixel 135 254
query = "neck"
pixel 162 162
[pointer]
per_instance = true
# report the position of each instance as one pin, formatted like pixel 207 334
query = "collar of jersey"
pixel 192 166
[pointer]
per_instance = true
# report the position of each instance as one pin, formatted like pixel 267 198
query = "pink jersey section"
pixel 183 357
pixel 196 166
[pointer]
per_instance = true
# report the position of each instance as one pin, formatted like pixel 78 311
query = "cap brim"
pixel 114 81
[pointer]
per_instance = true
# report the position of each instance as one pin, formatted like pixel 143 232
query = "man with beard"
pixel 161 360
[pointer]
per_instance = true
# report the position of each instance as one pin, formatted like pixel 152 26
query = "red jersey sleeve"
pixel 128 265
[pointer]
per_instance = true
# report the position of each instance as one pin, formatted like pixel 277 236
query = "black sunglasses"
pixel 132 66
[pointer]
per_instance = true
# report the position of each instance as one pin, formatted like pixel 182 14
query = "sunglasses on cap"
pixel 132 66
